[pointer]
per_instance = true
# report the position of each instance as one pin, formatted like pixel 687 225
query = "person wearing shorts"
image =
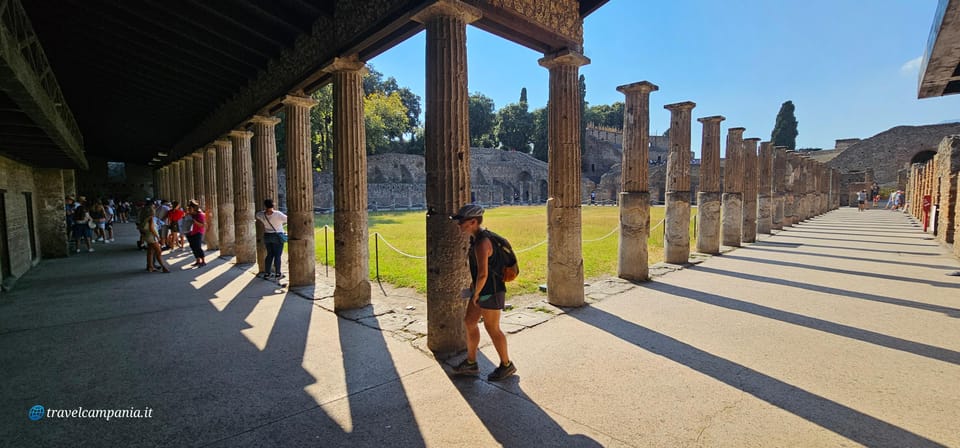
pixel 861 200
pixel 487 297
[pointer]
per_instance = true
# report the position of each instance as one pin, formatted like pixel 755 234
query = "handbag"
pixel 91 224
pixel 283 236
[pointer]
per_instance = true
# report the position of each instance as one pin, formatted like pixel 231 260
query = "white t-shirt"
pixel 273 223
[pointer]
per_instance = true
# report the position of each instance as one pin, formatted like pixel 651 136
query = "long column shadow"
pixel 843 420
pixel 870 337
pixel 843 271
pixel 952 312
pixel 873 234
pixel 861 241
pixel 855 249
pixel 517 421
pixel 844 257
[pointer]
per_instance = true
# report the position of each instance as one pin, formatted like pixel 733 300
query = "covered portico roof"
pixel 940 68
pixel 151 77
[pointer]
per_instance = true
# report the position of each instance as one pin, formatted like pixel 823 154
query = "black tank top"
pixel 494 283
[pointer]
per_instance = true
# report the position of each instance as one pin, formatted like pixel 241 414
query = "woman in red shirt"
pixel 195 235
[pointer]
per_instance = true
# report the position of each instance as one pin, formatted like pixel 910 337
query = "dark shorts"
pixel 493 301
pixel 860 202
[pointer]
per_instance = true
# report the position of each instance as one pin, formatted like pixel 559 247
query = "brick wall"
pixel 948 164
pixel 16 179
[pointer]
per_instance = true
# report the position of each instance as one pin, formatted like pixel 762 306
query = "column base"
pixel 732 219
pixel 301 259
pixel 765 215
pixel 564 255
pixel 708 222
pixel 676 243
pixel 633 261
pixel 778 213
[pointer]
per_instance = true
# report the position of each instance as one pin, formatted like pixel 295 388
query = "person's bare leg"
pixel 471 320
pixel 491 321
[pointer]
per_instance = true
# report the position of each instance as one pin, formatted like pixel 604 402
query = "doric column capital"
pixel 679 107
pixel 296 100
pixel 753 140
pixel 265 120
pixel 350 63
pixel 640 87
pixel 448 8
pixel 736 131
pixel 713 119
pixel 565 57
pixel 199 153
pixel 240 133
pixel 221 142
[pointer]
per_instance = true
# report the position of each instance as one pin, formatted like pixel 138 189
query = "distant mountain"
pixel 955 120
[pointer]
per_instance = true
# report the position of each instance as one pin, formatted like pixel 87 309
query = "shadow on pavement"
pixel 833 416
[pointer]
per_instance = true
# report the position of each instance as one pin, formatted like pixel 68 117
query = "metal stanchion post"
pixel 326 251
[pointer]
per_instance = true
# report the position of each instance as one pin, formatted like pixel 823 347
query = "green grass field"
pixel 525 227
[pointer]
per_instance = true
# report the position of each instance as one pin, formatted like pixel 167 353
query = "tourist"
pixel 898 201
pixel 890 200
pixel 273 238
pixel 162 210
pixel 173 221
pixel 487 297
pixel 82 229
pixel 99 215
pixel 197 220
pixel 111 216
pixel 861 199
pixel 151 237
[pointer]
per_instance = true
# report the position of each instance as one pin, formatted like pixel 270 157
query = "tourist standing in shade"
pixel 273 238
pixel 195 233
pixel 81 227
pixel 487 297
pixel 151 237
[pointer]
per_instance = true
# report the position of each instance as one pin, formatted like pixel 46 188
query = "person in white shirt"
pixel 273 238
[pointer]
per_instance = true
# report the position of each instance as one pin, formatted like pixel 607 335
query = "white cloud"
pixel 912 66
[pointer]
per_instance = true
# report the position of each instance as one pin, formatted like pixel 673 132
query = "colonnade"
pixel 933 193
pixel 231 177
pixel 763 190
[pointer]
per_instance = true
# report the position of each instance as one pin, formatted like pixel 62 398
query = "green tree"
pixel 385 118
pixel 515 127
pixel 539 137
pixel 785 129
pixel 321 128
pixel 482 121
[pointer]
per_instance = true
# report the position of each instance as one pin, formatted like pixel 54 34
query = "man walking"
pixel 487 297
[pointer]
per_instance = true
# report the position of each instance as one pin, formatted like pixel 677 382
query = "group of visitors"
pixel 895 201
pixel 90 221
pixel 164 225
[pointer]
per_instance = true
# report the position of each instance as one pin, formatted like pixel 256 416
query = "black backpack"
pixel 504 259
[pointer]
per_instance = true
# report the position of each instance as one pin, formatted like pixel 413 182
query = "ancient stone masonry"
pixel 634 198
pixel 225 197
pixel 891 150
pixel 948 167
pixel 732 224
pixel 175 179
pixel 750 188
pixel 447 158
pixel 189 192
pixel 212 234
pixel 199 185
pixel 765 193
pixel 564 255
pixel 244 207
pixel 562 16
pixel 52 228
pixel 790 179
pixel 265 182
pixel 708 199
pixel 676 245
pixel 350 186
pixel 302 260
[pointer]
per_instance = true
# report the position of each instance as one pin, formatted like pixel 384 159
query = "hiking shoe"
pixel 502 372
pixel 467 368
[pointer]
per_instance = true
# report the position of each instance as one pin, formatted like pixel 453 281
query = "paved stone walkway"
pixel 842 331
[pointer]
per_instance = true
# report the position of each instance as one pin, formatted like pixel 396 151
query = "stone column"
pixel 634 197
pixel 265 183
pixel 302 254
pixel 732 225
pixel 189 193
pixel 199 186
pixel 676 244
pixel 765 189
pixel 750 188
pixel 564 254
pixel 212 234
pixel 175 179
pixel 50 203
pixel 447 164
pixel 163 191
pixel 245 246
pixel 790 177
pixel 779 186
pixel 210 207
pixel 708 199
pixel 225 206
pixel 351 240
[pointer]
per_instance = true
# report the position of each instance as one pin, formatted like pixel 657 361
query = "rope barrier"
pixel 615 230
pixel 531 247
pixel 398 250
pixel 658 225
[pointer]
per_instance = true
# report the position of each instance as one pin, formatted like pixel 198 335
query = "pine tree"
pixel 785 129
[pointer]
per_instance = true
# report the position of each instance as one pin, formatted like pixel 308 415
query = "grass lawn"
pixel 525 227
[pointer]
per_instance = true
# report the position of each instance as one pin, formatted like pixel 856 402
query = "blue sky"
pixel 850 67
